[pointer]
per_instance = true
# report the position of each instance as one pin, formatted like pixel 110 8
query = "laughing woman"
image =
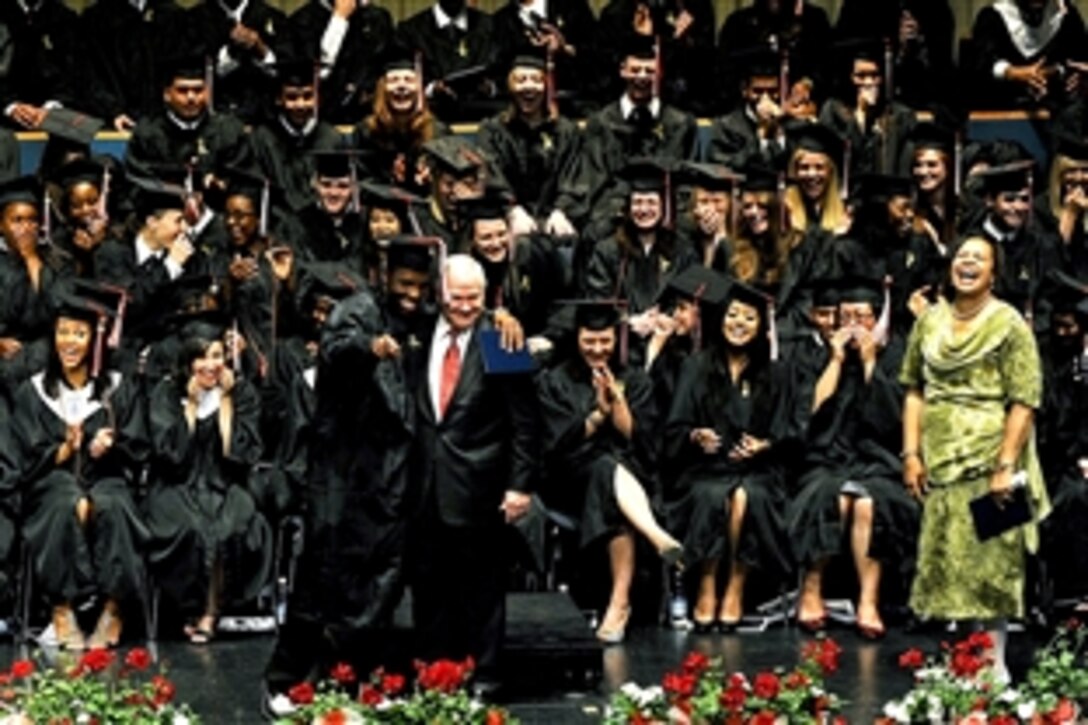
pixel 77 438
pixel 209 542
pixel 973 383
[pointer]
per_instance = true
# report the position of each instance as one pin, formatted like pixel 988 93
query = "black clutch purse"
pixel 992 519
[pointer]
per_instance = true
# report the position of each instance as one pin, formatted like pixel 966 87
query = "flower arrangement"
pixel 702 692
pixel 960 686
pixel 439 696
pixel 100 688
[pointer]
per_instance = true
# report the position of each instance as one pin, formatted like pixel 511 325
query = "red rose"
pixel 135 700
pixel 495 717
pixel 763 717
pixel 301 694
pixel 839 720
pixel 828 658
pixel 637 719
pixel 980 640
pixel 737 679
pixel 912 659
pixel 819 705
pixel 1064 712
pixel 96 660
pixel 696 663
pixel 164 690
pixel 370 696
pixel 444 675
pixel 679 685
pixel 336 717
pixel 392 684
pixel 797 681
pixel 343 673
pixel 733 698
pixel 21 669
pixel 1003 720
pixel 138 659
pixel 965 664
pixel 766 685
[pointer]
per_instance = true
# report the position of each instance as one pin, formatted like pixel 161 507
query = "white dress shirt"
pixel 439 344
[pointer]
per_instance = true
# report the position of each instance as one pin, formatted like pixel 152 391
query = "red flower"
pixel 1003 720
pixel 444 675
pixel 637 719
pixel 696 663
pixel 495 717
pixel 343 673
pixel 797 680
pixel 681 685
pixel 1073 624
pixel 820 704
pixel 301 694
pixel 980 703
pixel 336 717
pixel 766 685
pixel 737 679
pixel 980 640
pixel 370 696
pixel 733 698
pixel 96 660
pixel 912 659
pixel 839 720
pixel 965 664
pixel 135 700
pixel 138 659
pixel 763 717
pixel 1064 712
pixel 164 690
pixel 392 684
pixel 21 669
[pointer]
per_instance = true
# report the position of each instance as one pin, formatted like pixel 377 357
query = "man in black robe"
pixel 184 132
pixel 473 466
pixel 458 48
pixel 754 131
pixel 1021 52
pixel 39 52
pixel 283 146
pixel 329 228
pixel 534 149
pixel 458 171
pixel 350 38
pixel 639 123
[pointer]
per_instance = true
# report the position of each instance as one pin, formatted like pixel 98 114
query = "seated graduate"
pixel 534 149
pixel 524 274
pixel 88 211
pixel 639 258
pixel 41 67
pixel 1067 197
pixel 1022 49
pixel 933 162
pixel 329 228
pixel 713 204
pixel 31 273
pixel 457 170
pixel 866 113
pixel 815 199
pixel 851 487
pixel 284 146
pixel 723 446
pixel 599 421
pixel 77 436
pixel 391 138
pixel 1063 444
pixel 185 133
pixel 210 546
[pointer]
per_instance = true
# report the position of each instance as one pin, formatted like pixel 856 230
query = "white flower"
pixel 651 695
pixel 897 711
pixel 1009 695
pixel 179 719
pixel 1026 710
pixel 631 690
pixel 934 710
pixel 83 718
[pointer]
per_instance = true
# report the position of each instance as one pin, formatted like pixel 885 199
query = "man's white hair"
pixel 463 269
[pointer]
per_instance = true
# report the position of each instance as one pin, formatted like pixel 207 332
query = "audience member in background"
pixel 725 443
pixel 457 170
pixel 932 164
pixel 922 32
pixel 78 435
pixel 1023 50
pixel 391 138
pixel 1067 201
pixel 973 382
pixel 329 228
pixel 39 61
pixel 535 150
pixel 88 211
pixel 599 423
pixel 850 486
pixel 815 194
pixel 713 201
pixel 349 37
pixel 874 126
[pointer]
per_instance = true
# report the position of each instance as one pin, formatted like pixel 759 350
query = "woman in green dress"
pixel 973 383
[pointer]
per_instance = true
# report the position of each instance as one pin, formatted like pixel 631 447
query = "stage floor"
pixel 222 680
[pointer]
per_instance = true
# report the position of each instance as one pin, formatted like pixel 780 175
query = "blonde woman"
pixel 814 198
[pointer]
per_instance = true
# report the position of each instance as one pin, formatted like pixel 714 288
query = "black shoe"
pixel 726 627
pixel 704 627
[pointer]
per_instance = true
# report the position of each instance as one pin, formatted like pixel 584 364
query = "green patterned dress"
pixel 968 382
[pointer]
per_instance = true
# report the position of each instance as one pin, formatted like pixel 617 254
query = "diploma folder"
pixel 993 519
pixel 500 362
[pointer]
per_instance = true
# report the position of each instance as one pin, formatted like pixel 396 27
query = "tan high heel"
pixel 107 632
pixel 616 633
pixel 66 628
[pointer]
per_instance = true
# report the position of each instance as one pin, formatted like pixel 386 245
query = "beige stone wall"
pixel 964 9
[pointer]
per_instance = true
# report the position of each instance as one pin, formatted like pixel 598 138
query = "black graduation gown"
pixel 10 503
pixel 39 58
pixel 609 142
pixel 217 142
pixel 348 85
pixel 699 486
pixel 449 50
pixel 852 449
pixel 537 162
pixel 529 287
pixel 9 156
pixel 122 49
pixel 580 471
pixel 394 158
pixel 734 142
pixel 316 235
pixel 872 151
pixel 991 42
pixel 284 157
pixel 199 507
pixel 72 562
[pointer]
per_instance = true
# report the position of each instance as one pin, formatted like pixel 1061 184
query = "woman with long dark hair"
pixel 210 544
pixel 77 434
pixel 724 440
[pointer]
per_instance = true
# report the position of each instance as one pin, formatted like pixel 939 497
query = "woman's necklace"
pixel 971 313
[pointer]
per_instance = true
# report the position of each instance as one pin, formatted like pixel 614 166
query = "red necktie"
pixel 451 370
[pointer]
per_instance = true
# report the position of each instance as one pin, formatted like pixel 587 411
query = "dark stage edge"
pixel 222 681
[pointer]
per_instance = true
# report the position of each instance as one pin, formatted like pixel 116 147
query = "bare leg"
pixel 635 506
pixel 733 601
pixel 621 556
pixel 861 532
pixel 205 627
pixel 999 633
pixel 707 603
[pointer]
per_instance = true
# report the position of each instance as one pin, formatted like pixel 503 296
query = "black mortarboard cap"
pixel 711 177
pixel 1007 177
pixel 77 307
pixel 645 174
pixel 384 196
pixel 758 177
pixel 492 205
pixel 749 295
pixel 80 171
pixel 525 59
pixel 409 252
pixel 71 125
pixel 597 314
pixel 296 72
pixel 929 135
pixel 26 189
pixel 825 290
pixel 454 155
pixel 333 164
pixel 639 46
pixel 861 288
pixel 817 138
pixel 326 279
pixel 851 49
pixel 881 187
pixel 397 57
pixel 756 62
pixel 696 283
pixel 155 195
pixel 187 67
pixel 194 293
pixel 1072 147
